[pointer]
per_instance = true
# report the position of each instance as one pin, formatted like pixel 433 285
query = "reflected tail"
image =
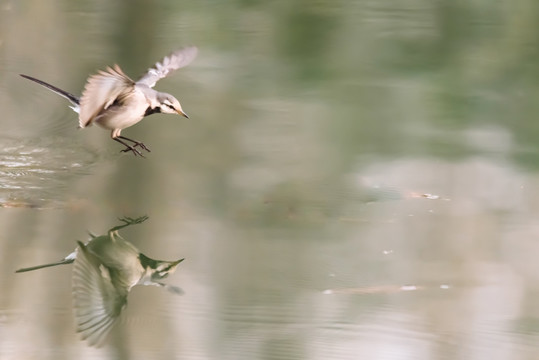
pixel 63 262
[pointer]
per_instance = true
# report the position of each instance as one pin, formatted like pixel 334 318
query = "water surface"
pixel 358 179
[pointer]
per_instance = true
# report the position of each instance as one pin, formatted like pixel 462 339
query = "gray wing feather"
pixel 101 91
pixel 97 303
pixel 174 61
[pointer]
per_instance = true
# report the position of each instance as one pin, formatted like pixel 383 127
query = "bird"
pixel 104 271
pixel 113 101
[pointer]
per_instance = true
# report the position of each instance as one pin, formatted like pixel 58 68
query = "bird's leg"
pixel 137 143
pixel 128 147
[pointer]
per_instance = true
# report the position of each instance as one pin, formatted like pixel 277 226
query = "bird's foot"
pixel 127 221
pixel 131 221
pixel 133 150
pixel 142 146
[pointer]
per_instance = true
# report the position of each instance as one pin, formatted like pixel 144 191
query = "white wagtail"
pixel 115 102
pixel 105 270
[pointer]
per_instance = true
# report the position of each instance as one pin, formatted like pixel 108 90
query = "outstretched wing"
pixel 174 61
pixel 97 303
pixel 101 91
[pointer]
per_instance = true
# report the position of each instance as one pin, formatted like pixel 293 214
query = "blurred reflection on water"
pixel 105 268
pixel 357 180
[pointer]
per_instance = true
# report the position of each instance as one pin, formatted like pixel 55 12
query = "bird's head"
pixel 163 269
pixel 168 104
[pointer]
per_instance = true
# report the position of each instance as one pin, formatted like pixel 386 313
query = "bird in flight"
pixel 114 102
pixel 105 269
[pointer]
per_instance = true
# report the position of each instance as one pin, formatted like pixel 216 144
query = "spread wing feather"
pixel 97 302
pixel 174 61
pixel 101 91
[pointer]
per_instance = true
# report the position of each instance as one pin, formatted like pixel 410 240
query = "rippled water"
pixel 34 173
pixel 357 179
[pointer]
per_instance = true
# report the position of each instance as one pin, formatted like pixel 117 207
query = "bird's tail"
pixel 63 262
pixel 72 98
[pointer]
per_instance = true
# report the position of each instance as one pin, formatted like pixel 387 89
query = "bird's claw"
pixel 127 221
pixel 142 146
pixel 133 150
pixel 130 221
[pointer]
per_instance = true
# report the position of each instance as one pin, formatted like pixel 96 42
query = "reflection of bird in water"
pixel 105 270
pixel 115 102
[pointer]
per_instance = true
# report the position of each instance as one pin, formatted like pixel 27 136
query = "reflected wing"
pixel 101 91
pixel 97 303
pixel 174 61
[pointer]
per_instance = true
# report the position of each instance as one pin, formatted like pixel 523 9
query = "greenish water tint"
pixel 358 179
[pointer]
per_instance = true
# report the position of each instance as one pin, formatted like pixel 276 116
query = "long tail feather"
pixel 63 262
pixel 72 98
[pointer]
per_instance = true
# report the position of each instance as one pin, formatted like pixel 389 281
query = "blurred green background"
pixel 358 179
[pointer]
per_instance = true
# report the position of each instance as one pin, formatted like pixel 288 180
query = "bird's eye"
pixel 168 104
